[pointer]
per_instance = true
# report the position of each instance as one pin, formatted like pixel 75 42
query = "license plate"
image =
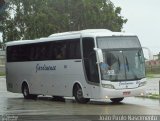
pixel 126 93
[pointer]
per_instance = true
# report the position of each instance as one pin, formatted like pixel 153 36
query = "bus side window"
pixel 11 52
pixel 32 53
pixel 60 50
pixel 89 56
pixel 43 53
pixel 14 53
pixel 73 51
pixel 49 54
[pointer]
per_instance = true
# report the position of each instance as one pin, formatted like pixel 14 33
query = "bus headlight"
pixel 142 84
pixel 110 86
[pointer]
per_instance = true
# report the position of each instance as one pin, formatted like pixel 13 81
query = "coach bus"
pixel 86 64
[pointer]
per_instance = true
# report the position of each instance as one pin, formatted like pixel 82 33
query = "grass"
pixel 151 96
pixel 2 74
pixel 152 75
pixel 149 75
pixel 154 96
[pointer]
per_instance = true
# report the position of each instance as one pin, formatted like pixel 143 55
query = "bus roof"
pixel 70 35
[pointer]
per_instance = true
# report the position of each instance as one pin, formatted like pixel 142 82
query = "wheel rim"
pixel 79 94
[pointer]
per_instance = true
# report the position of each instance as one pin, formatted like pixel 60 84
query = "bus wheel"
pixel 116 100
pixel 25 91
pixel 26 94
pixel 78 94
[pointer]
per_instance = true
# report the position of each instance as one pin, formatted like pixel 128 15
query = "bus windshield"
pixel 123 58
pixel 121 65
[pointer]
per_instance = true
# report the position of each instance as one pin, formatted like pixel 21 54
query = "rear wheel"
pixel 26 94
pixel 116 100
pixel 78 94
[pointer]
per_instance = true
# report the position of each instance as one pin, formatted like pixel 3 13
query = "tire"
pixel 78 94
pixel 116 100
pixel 26 94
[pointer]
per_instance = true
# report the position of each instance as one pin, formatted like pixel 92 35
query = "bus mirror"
pixel 149 53
pixel 99 54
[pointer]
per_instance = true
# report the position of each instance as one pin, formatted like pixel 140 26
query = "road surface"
pixel 14 104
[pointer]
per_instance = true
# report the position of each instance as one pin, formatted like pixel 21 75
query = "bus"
pixel 86 64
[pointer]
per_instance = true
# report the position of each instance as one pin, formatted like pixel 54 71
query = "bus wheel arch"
pixel 78 94
pixel 26 92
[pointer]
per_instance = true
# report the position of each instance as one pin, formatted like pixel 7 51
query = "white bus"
pixel 87 64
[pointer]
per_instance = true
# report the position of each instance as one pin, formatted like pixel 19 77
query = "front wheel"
pixel 116 100
pixel 78 94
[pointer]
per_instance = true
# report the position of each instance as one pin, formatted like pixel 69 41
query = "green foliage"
pixel 39 18
pixel 151 96
pixel 3 14
pixel 2 73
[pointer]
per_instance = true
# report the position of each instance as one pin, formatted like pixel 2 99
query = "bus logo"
pixel 45 67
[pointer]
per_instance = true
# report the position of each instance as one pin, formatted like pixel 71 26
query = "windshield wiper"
pixel 119 64
pixel 127 64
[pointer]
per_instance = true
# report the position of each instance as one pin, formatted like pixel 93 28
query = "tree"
pixel 38 18
pixel 3 15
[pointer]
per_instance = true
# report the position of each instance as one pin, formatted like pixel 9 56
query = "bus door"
pixel 90 65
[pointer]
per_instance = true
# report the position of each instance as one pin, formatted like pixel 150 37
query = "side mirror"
pixel 99 54
pixel 149 53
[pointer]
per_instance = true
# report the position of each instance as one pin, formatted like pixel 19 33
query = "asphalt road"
pixel 48 109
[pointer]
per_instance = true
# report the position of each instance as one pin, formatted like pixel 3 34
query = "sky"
pixel 143 20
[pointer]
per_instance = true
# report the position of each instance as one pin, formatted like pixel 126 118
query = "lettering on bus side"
pixel 45 67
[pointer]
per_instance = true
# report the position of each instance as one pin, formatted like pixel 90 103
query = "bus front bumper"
pixel 113 93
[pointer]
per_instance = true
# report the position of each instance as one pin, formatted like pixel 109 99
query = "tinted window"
pixel 55 50
pixel 74 49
